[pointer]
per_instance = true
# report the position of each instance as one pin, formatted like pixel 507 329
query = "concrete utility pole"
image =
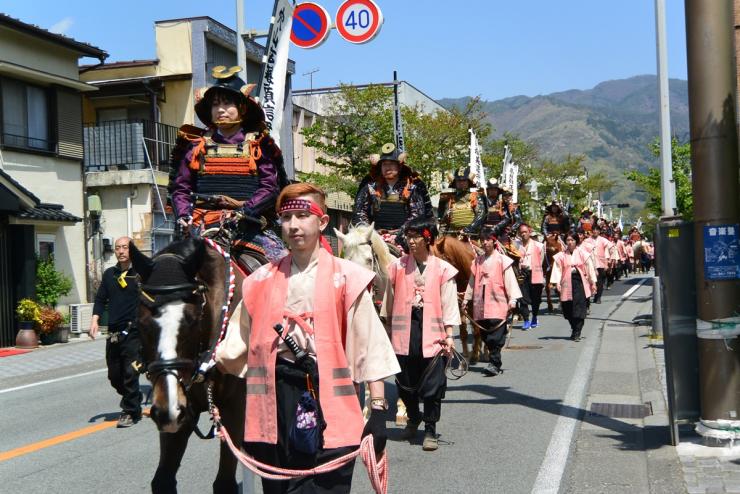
pixel 714 159
pixel 667 185
pixel 241 52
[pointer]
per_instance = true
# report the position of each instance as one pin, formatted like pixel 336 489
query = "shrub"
pixel 50 320
pixel 28 310
pixel 50 283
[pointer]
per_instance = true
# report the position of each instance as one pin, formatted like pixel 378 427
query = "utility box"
pixel 674 255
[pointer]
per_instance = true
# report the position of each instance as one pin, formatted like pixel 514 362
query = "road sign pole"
pixel 667 185
pixel 241 52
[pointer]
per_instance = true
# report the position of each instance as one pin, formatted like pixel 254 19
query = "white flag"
pixel 275 67
pixel 475 162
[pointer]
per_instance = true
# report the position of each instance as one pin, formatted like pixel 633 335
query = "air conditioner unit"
pixel 80 317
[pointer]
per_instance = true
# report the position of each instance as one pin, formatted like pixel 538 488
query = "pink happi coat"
pixel 489 291
pixel 532 258
pixel 338 285
pixel 565 262
pixel 602 252
pixel 402 274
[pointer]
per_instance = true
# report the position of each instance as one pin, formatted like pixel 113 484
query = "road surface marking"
pixel 50 381
pixel 62 438
pixel 556 457
pixel 634 288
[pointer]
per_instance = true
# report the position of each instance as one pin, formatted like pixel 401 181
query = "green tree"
pixel 360 120
pixel 650 181
pixel 50 283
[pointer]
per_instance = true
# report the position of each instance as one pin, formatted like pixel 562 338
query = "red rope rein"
pixel 377 469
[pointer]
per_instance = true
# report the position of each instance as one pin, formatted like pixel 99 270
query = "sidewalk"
pixel 623 444
pixel 708 467
pixel 82 352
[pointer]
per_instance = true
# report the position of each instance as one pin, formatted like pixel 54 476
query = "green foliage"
pixel 650 181
pixel 50 283
pixel 28 310
pixel 360 120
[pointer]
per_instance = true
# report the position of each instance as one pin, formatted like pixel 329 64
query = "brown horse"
pixel 553 245
pixel 460 254
pixel 184 287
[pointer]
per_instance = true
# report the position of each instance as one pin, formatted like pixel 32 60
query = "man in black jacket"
pixel 119 290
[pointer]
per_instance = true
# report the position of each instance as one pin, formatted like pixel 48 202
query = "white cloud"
pixel 62 26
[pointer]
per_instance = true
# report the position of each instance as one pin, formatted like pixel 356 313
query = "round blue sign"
pixel 310 25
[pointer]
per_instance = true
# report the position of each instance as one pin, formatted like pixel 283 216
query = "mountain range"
pixel 612 125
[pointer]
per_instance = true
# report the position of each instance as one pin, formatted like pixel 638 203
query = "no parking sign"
pixel 310 25
pixel 358 21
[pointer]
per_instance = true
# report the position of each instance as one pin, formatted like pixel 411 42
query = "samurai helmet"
pixel 552 206
pixel 229 83
pixel 462 173
pixel 389 152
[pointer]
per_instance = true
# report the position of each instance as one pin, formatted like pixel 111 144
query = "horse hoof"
pixel 401 420
pixel 474 359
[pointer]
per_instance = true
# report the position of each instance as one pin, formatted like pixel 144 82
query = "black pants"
pixel 600 279
pixel 119 357
pixel 494 338
pixel 575 310
pixel 531 296
pixel 413 366
pixel 290 385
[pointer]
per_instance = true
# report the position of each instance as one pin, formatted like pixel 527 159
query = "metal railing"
pixel 117 145
pixel 26 142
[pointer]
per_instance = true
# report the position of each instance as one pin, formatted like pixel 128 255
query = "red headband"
pixel 301 205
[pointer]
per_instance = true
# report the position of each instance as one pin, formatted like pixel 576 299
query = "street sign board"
pixel 358 21
pixel 310 25
pixel 721 252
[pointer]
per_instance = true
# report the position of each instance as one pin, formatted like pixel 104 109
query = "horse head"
pixel 174 308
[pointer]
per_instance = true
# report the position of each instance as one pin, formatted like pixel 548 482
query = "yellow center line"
pixel 62 438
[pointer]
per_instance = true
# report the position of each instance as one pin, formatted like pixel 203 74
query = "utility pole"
pixel 241 52
pixel 667 185
pixel 714 160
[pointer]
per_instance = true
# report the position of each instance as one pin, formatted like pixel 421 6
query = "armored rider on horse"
pixel 462 208
pixel 391 195
pixel 231 169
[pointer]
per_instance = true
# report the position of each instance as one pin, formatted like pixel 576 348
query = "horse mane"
pixel 381 251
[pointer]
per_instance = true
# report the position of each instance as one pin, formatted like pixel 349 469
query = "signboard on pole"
pixel 721 252
pixel 358 21
pixel 310 25
pixel 275 68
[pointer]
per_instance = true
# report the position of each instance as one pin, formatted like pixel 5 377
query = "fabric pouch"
pixel 305 435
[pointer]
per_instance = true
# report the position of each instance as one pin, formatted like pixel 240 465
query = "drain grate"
pixel 621 410
pixel 523 347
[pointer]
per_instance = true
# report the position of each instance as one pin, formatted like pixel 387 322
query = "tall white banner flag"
pixel 271 89
pixel 475 163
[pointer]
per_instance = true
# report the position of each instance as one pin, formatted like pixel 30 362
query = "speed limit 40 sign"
pixel 358 21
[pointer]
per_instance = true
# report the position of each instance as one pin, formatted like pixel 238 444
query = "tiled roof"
pixel 84 48
pixel 47 212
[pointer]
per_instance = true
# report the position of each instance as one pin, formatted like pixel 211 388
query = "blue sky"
pixel 492 48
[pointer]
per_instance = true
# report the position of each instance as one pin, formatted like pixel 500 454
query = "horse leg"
pixel 231 402
pixel 401 417
pixel 464 339
pixel 171 449
pixel 475 352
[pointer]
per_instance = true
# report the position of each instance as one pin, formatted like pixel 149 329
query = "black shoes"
pixel 126 420
pixel 491 370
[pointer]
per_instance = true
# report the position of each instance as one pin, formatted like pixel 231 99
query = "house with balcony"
pixel 42 210
pixel 131 122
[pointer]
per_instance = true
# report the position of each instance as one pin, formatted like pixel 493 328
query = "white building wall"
pixel 56 181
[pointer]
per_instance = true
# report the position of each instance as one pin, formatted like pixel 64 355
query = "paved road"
pixel 496 433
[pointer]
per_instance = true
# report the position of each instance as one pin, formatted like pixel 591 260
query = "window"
pixel 45 245
pixel 25 115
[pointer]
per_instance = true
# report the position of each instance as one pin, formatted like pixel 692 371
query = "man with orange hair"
pixel 308 333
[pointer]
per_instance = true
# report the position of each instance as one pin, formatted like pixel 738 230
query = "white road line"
pixel 50 381
pixel 634 288
pixel 552 468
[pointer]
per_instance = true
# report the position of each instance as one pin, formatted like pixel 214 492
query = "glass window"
pixel 25 115
pixel 45 245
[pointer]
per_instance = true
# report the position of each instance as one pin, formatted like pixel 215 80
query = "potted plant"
pixel 50 320
pixel 50 283
pixel 63 330
pixel 28 313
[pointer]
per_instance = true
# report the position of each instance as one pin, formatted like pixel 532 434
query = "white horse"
pixel 364 246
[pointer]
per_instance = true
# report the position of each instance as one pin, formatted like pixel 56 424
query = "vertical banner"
pixel 475 162
pixel 275 67
pixel 397 120
pixel 514 183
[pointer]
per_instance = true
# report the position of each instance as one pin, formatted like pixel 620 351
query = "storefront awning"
pixel 44 212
